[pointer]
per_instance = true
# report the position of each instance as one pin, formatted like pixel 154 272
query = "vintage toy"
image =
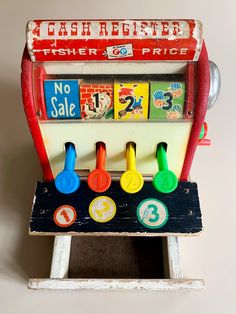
pixel 116 109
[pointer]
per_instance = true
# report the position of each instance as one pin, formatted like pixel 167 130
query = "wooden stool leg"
pixel 61 257
pixel 174 258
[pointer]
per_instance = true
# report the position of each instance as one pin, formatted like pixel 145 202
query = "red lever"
pixel 99 180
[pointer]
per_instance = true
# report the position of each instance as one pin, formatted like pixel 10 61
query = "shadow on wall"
pixel 29 256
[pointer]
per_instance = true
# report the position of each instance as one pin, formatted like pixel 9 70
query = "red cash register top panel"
pixel 114 40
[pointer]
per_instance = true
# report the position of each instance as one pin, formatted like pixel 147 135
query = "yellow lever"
pixel 131 180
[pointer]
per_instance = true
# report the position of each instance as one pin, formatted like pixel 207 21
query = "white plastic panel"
pixel 82 68
pixel 146 135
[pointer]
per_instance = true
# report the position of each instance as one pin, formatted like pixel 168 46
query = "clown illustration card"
pixel 131 100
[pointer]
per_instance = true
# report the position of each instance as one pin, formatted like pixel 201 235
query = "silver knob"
pixel 215 83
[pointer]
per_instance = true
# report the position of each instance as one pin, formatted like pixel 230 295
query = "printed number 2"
pixel 155 214
pixel 106 207
pixel 130 105
pixel 169 101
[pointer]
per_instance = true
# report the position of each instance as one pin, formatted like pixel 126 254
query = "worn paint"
pixel 114 39
pixel 180 219
pixel 118 284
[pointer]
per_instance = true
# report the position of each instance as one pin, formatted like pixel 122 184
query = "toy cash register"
pixel 116 109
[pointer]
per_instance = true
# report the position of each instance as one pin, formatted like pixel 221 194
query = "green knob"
pixel 165 181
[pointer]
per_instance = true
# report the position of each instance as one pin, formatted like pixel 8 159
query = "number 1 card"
pixel 96 100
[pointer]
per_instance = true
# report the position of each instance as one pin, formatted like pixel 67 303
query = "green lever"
pixel 165 181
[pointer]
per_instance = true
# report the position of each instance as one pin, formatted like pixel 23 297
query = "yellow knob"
pixel 131 180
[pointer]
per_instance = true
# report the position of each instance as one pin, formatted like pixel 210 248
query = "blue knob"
pixel 67 181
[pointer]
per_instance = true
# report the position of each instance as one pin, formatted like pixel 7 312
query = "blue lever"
pixel 67 181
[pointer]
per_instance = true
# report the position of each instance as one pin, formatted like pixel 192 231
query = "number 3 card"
pixel 131 100
pixel 167 100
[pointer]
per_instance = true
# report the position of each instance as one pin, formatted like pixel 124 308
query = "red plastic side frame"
pixel 31 114
pixel 39 76
pixel 203 87
pixel 190 75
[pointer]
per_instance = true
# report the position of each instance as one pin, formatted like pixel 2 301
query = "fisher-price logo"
pixel 119 51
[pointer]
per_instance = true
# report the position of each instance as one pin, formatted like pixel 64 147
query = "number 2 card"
pixel 131 100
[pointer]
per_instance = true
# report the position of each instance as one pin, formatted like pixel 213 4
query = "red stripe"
pixel 203 87
pixel 27 94
pixel 46 50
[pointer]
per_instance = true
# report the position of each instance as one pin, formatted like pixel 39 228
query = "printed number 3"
pixel 169 101
pixel 155 215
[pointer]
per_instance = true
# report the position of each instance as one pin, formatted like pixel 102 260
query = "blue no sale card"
pixel 62 99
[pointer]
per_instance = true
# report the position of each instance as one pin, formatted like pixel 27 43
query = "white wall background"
pixel 211 256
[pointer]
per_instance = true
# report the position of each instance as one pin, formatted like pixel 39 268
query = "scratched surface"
pixel 182 204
